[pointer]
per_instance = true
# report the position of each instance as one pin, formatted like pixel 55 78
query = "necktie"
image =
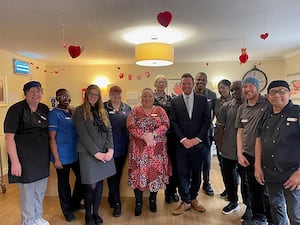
pixel 188 105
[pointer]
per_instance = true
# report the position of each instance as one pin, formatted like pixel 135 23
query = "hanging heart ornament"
pixel 164 18
pixel 74 51
pixel 264 36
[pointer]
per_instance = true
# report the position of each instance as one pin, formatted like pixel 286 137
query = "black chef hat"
pixel 278 83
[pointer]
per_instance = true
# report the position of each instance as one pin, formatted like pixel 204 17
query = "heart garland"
pixel 74 51
pixel 131 76
pixel 164 18
pixel 264 36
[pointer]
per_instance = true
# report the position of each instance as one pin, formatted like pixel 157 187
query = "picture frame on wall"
pixel 174 88
pixel 3 91
pixel 294 83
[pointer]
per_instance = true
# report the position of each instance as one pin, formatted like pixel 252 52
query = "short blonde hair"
pixel 160 77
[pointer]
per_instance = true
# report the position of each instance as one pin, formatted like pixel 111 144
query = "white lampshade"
pixel 154 54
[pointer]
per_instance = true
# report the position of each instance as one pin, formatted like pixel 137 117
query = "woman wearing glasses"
pixel 63 139
pixel 95 148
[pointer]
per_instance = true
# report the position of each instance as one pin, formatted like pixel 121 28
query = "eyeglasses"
pixel 64 97
pixel 281 91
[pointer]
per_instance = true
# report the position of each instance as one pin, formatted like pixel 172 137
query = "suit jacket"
pixel 197 126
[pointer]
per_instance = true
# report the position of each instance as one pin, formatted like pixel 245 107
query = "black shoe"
pixel 153 207
pixel 230 208
pixel 138 209
pixel 175 197
pixel 208 190
pixel 247 214
pixel 117 210
pixel 98 220
pixel 70 217
pixel 168 199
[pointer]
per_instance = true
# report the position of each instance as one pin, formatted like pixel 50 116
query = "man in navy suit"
pixel 190 119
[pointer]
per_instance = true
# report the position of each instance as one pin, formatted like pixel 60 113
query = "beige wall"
pixel 75 78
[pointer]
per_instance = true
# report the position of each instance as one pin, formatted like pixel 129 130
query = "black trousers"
pixel 259 194
pixel 173 180
pixel 114 181
pixel 206 165
pixel 69 201
pixel 245 189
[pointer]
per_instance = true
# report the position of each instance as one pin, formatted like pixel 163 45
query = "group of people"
pixel 167 141
pixel 257 138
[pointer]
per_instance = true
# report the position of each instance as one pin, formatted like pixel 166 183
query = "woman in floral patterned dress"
pixel 149 167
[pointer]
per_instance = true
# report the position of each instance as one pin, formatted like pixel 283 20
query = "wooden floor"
pixel 10 213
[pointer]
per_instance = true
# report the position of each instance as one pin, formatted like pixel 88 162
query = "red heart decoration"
pixel 164 18
pixel 74 51
pixel 243 58
pixel 264 36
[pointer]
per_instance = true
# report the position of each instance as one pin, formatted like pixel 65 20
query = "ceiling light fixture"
pixel 154 54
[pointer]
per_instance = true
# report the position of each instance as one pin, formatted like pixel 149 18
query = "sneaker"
pixel 224 195
pixel 41 221
pixel 230 208
pixel 247 214
pixel 181 208
pixel 208 190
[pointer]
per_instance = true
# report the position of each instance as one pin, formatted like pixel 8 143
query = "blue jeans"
pixel 285 204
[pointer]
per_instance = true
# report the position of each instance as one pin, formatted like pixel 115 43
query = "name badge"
pixel 153 114
pixel 44 118
pixel 290 119
pixel 112 112
pixel 244 120
pixel 67 118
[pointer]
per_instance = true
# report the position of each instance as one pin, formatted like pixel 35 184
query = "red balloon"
pixel 74 51
pixel 164 18
pixel 121 75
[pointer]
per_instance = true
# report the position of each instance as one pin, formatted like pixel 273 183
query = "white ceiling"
pixel 217 29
